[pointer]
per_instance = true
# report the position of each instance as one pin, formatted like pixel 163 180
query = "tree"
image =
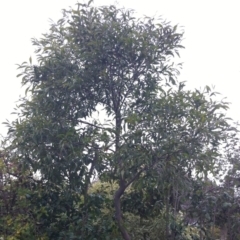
pixel 155 132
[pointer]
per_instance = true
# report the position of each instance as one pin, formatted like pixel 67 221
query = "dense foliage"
pixel 103 102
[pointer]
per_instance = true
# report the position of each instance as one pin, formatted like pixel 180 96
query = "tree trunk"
pixel 118 213
pixel 223 232
pixel 167 216
pixel 201 233
pixel 122 185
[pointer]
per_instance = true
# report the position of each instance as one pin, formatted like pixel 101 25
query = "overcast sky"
pixel 212 41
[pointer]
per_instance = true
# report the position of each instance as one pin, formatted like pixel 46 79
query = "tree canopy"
pixel 103 101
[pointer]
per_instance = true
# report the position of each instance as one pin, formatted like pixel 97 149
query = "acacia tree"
pixel 104 59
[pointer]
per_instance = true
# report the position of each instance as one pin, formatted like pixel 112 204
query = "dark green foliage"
pixel 103 101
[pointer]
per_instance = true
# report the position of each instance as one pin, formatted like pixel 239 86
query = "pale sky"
pixel 212 42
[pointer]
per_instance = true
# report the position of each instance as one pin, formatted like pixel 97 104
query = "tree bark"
pixel 223 232
pixel 122 184
pixel 118 212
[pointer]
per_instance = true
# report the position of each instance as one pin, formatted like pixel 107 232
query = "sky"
pixel 212 42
